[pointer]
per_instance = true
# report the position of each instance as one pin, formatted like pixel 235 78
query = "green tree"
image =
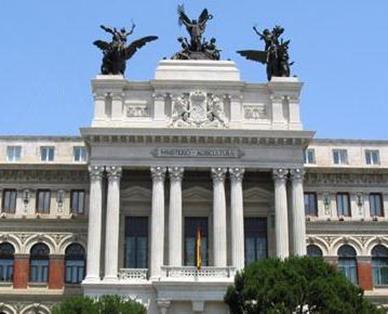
pixel 295 285
pixel 109 304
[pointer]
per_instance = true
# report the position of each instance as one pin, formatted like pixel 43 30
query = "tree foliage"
pixel 109 304
pixel 295 285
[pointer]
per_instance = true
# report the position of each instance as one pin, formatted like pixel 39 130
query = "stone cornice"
pixel 196 136
pixel 44 175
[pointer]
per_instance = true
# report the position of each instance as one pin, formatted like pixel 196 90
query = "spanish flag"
pixel 198 254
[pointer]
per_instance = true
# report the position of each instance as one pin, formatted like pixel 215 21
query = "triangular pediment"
pixel 197 194
pixel 258 195
pixel 136 193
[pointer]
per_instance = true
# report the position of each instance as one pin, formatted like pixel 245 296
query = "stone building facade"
pixel 117 210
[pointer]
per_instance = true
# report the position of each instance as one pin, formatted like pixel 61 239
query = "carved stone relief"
pixel 255 112
pixel 198 109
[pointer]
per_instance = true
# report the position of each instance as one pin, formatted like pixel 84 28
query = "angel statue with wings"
pixel 117 52
pixel 197 47
pixel 275 54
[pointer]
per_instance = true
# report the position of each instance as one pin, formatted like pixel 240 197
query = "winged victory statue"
pixel 197 47
pixel 275 54
pixel 117 52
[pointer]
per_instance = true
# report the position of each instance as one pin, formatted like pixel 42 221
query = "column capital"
pixel 176 173
pixel 218 174
pixel 297 174
pixel 158 173
pixel 96 172
pixel 280 174
pixel 236 174
pixel 113 172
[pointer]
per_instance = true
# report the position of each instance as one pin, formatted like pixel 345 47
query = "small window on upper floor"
pixel 14 153
pixel 80 153
pixel 47 153
pixel 309 156
pixel 376 205
pixel 340 156
pixel 372 157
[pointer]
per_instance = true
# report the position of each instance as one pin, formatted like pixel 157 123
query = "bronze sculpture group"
pixel 196 47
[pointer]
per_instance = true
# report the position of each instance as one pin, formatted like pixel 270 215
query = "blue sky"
pixel 340 49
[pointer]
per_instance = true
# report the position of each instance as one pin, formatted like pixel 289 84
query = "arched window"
pixel 380 265
pixel 74 263
pixel 313 250
pixel 7 253
pixel 347 262
pixel 39 263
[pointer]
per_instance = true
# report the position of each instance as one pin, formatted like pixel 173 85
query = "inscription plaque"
pixel 198 152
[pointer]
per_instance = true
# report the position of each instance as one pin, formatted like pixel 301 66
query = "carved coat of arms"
pixel 198 109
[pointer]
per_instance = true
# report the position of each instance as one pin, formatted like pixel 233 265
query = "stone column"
pixel 56 272
pixel 94 224
pixel 112 223
pixel 281 214
pixel 219 216
pixel 298 215
pixel 157 221
pixel 237 217
pixel 175 217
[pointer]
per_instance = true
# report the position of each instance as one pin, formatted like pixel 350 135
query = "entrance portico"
pixel 190 171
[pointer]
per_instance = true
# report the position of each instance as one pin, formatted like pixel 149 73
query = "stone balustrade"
pixel 191 273
pixel 133 274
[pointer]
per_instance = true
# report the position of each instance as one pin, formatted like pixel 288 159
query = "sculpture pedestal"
pixel 197 70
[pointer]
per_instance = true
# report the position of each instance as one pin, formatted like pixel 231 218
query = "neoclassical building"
pixel 195 149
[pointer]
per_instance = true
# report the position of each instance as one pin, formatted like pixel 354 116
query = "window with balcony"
pixel 47 153
pixel 310 204
pixel 196 233
pixel 372 157
pixel 347 262
pixel 14 153
pixel 136 242
pixel 255 230
pixel 7 253
pixel 309 156
pixel 376 205
pixel 9 201
pixel 380 265
pixel 43 201
pixel 80 153
pixel 343 204
pixel 74 264
pixel 39 263
pixel 340 156
pixel 77 201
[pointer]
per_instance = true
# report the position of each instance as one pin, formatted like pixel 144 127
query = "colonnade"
pixel 175 174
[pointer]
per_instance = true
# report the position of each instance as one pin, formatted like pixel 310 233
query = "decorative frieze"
pixel 255 112
pixel 345 179
pixel 47 176
pixel 137 111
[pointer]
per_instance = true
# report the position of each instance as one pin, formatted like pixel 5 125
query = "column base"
pixel 91 279
pixel 110 279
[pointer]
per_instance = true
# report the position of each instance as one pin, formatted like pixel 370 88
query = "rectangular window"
pixel 136 242
pixel 255 230
pixel 47 153
pixel 192 224
pixel 9 201
pixel 75 271
pixel 14 153
pixel 309 156
pixel 376 205
pixel 310 204
pixel 340 156
pixel 79 153
pixel 39 270
pixel 43 200
pixel 372 157
pixel 6 269
pixel 77 201
pixel 343 204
